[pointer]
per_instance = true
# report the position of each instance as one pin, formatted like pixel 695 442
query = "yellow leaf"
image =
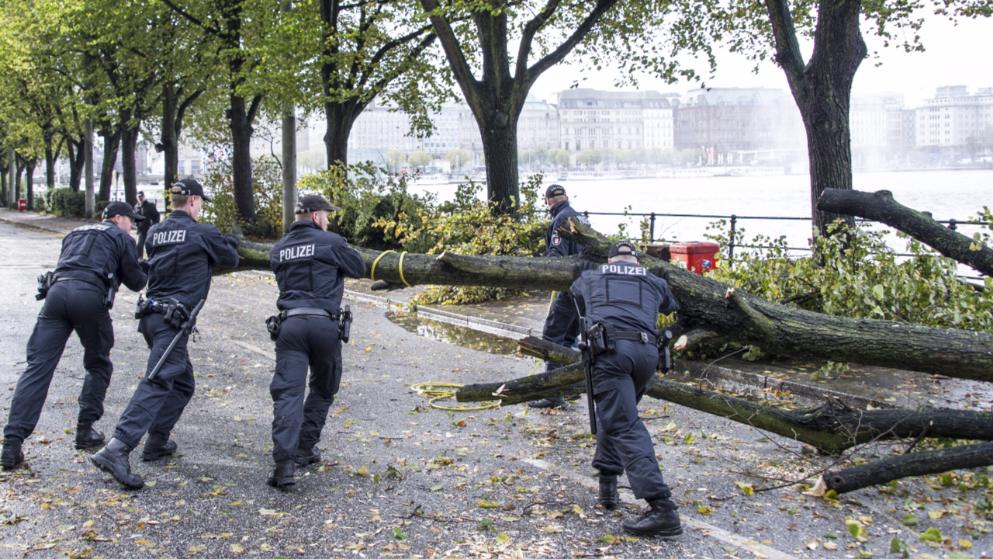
pixel 746 488
pixel 142 541
pixel 502 537
pixel 965 544
pixel 830 546
pixel 488 504
pixel 362 471
pixel 237 549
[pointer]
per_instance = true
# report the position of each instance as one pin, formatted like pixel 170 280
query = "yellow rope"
pixel 436 391
pixel 372 270
pixel 400 266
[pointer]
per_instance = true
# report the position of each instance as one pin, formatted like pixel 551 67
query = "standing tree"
pixel 822 85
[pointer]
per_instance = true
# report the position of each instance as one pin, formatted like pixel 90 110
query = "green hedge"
pixel 65 202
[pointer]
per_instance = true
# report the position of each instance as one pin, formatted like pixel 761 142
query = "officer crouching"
pixel 625 300
pixel 181 255
pixel 310 264
pixel 95 260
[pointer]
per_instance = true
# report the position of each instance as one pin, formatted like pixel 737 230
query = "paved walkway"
pixel 400 479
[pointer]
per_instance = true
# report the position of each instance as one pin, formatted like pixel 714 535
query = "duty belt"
pixel 633 336
pixel 95 280
pixel 307 311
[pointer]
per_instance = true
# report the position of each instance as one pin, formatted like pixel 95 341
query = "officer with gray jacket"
pixel 95 260
pixel 625 299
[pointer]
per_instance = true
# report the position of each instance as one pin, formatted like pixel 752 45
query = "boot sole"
pixel 105 467
pixel 670 533
pixel 156 456
pixel 89 446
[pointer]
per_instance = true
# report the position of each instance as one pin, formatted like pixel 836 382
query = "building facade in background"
pixel 591 119
pixel 955 120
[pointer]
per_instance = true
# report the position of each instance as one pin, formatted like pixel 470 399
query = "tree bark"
pixel 50 157
pixel 111 135
pixel 77 160
pixel 29 167
pixel 130 128
pixel 880 206
pixel 340 118
pixel 241 160
pixel 499 138
pixel 908 465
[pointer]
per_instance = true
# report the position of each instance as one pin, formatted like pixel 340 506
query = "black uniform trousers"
pixel 623 443
pixel 561 324
pixel 142 236
pixel 304 341
pixel 157 405
pixel 71 305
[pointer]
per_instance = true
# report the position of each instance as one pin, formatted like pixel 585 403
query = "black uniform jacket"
pixel 624 297
pixel 100 253
pixel 181 255
pixel 309 264
pixel 556 245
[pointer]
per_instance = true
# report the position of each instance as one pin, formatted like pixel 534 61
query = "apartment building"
pixel 591 119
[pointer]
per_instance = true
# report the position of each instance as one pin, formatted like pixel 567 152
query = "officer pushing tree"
pixel 182 254
pixel 562 323
pixel 95 260
pixel 310 264
pixel 622 301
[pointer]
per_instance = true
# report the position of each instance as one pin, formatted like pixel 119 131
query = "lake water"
pixel 946 194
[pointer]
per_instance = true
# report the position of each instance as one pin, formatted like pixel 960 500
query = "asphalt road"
pixel 401 479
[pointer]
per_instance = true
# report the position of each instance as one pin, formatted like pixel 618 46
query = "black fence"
pixel 733 220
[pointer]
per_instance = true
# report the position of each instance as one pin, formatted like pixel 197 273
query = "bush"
pixel 267 191
pixel 859 276
pixel 65 202
pixel 39 204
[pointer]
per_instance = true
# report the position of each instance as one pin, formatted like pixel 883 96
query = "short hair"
pixel 180 200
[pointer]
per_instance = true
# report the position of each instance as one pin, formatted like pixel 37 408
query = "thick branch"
pixel 907 465
pixel 560 52
pixel 453 50
pixel 880 206
pixel 787 48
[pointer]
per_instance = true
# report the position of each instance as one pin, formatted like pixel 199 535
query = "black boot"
pixel 282 476
pixel 157 447
pixel 88 437
pixel 660 519
pixel 113 459
pixel 12 456
pixel 305 458
pixel 608 497
pixel 553 402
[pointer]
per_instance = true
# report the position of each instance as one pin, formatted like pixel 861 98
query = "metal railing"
pixel 733 220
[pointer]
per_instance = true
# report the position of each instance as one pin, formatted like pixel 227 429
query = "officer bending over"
pixel 310 264
pixel 626 299
pixel 95 260
pixel 562 323
pixel 182 254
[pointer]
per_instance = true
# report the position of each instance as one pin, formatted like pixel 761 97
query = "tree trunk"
pixel 829 152
pixel 50 158
pixel 29 167
pixel 130 129
pixel 77 160
pixel 340 117
pixel 705 303
pixel 18 171
pixel 3 183
pixel 111 135
pixel 880 206
pixel 908 465
pixel 831 427
pixel 169 135
pixel 241 162
pixel 499 137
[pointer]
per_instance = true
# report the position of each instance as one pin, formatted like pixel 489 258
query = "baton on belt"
pixel 184 330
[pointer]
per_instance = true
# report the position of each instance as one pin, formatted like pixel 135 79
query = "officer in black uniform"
pixel 95 260
pixel 626 299
pixel 310 264
pixel 182 254
pixel 562 322
pixel 147 210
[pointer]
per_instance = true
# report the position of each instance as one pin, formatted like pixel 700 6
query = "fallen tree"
pixel 908 465
pixel 704 303
pixel 880 206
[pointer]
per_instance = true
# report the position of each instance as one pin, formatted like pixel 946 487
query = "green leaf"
pixel 931 535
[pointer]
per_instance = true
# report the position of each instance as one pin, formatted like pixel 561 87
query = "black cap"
pixel 622 248
pixel 189 187
pixel 312 203
pixel 120 208
pixel 554 190
pixel 141 193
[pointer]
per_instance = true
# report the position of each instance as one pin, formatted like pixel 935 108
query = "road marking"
pixel 255 349
pixel 747 544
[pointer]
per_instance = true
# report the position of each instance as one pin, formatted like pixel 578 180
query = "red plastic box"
pixel 699 257
pixel 22 204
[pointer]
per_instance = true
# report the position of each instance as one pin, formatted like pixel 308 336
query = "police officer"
pixel 147 210
pixel 626 299
pixel 562 322
pixel 182 254
pixel 310 264
pixel 95 260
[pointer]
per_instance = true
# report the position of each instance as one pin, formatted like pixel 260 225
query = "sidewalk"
pixel 859 386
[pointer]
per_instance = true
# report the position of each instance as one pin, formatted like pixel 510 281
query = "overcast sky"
pixel 955 55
